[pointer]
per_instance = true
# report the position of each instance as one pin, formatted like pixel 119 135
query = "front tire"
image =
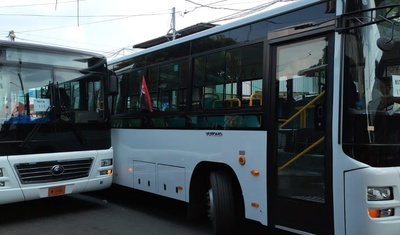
pixel 221 203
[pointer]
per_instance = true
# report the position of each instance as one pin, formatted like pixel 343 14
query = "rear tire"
pixel 221 203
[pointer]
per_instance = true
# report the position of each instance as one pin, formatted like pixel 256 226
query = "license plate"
pixel 56 191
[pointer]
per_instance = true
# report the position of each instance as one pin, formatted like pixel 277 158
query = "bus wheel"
pixel 221 206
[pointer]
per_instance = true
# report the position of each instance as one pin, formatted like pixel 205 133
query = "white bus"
pixel 276 118
pixel 55 135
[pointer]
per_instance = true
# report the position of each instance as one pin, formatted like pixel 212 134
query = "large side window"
pixel 228 79
pixel 209 81
pixel 172 86
pixel 122 96
pixel 251 74
pixel 129 92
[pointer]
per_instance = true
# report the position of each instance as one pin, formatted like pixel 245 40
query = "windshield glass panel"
pixel 29 93
pixel 371 86
pixel 46 58
pixel 47 105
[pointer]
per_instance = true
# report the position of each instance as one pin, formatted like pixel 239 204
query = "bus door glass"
pixel 300 72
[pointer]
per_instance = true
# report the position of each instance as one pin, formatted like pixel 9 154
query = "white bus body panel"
pixel 144 176
pixel 357 219
pixel 176 154
pixel 171 181
pixel 11 191
pixel 14 191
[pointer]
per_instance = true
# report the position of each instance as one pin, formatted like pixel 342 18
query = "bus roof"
pixel 4 43
pixel 247 20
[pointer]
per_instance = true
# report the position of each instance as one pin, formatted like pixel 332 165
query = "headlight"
pixel 106 162
pixel 380 213
pixel 106 172
pixel 379 193
pixel 1 172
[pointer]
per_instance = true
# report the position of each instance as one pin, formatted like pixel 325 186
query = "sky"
pixel 111 27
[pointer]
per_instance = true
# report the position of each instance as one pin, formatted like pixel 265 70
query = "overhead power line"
pixel 88 23
pixel 39 4
pixel 210 5
pixel 217 5
pixel 249 11
pixel 81 16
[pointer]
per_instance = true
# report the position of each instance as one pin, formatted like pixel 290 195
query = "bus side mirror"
pixel 113 85
pixel 385 44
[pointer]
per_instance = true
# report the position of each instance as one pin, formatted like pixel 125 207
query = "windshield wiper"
pixel 54 114
pixel 24 145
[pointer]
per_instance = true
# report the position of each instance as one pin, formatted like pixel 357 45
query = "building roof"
pixel 180 33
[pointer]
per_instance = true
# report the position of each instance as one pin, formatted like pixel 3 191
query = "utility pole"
pixel 172 35
pixel 173 24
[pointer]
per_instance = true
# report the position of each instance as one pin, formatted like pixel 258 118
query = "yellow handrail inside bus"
pixel 302 110
pixel 303 116
pixel 258 95
pixel 302 153
pixel 229 100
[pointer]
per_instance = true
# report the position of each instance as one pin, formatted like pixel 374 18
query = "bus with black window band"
pixel 55 135
pixel 289 117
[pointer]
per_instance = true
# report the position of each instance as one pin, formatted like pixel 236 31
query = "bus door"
pixel 299 170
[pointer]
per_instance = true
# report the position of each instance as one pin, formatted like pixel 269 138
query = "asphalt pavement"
pixel 115 211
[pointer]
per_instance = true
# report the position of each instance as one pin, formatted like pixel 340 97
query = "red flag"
pixel 145 102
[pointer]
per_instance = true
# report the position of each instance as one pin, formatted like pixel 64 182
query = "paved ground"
pixel 111 212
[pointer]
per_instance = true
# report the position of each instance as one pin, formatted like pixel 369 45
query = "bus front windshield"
pixel 371 84
pixel 50 101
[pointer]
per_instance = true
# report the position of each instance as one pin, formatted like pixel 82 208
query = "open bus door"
pixel 300 181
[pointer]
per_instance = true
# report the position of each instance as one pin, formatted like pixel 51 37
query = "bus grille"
pixel 50 171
